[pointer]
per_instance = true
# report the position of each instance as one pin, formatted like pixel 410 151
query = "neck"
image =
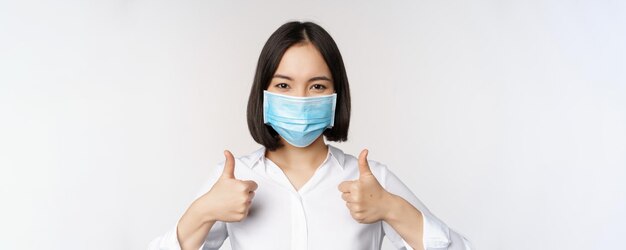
pixel 306 158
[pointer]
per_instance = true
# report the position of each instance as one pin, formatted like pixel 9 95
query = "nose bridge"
pixel 301 90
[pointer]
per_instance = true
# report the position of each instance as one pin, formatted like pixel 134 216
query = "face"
pixel 302 72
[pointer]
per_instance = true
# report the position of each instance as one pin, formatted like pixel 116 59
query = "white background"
pixel 506 118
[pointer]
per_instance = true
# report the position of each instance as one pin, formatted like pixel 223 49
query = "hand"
pixel 229 199
pixel 366 199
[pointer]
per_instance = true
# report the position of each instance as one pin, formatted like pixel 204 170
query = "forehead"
pixel 303 60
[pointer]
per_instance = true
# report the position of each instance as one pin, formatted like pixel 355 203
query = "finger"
pixel 250 197
pixel 364 167
pixel 347 197
pixel 345 186
pixel 229 166
pixel 251 186
pixel 350 205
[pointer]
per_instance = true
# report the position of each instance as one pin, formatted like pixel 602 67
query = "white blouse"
pixel 313 217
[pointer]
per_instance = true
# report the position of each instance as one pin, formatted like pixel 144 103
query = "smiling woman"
pixel 291 76
pixel 301 90
pixel 296 191
pixel 296 59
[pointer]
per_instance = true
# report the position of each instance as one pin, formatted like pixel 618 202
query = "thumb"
pixel 364 168
pixel 229 166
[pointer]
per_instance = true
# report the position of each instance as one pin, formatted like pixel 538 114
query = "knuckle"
pixel 357 216
pixel 241 209
pixel 249 186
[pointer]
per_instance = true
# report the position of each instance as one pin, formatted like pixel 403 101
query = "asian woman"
pixel 296 191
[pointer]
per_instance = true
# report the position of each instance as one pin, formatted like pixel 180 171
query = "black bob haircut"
pixel 284 37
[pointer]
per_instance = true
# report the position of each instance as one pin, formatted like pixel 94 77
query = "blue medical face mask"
pixel 299 120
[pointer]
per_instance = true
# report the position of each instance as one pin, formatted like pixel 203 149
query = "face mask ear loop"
pixel 332 119
pixel 265 104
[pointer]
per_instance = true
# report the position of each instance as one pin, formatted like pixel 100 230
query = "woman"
pixel 297 192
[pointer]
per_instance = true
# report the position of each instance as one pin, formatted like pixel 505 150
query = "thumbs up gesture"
pixel 229 199
pixel 366 199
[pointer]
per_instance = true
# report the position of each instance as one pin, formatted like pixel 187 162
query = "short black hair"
pixel 284 37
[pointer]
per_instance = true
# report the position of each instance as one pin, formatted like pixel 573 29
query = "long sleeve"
pixel 216 236
pixel 169 241
pixel 437 235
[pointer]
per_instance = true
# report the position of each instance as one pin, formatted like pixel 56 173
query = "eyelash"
pixel 314 85
pixel 323 87
pixel 278 85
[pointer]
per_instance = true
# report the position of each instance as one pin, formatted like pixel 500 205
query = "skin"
pixel 302 72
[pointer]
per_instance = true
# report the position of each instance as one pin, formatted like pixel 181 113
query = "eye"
pixel 282 85
pixel 318 87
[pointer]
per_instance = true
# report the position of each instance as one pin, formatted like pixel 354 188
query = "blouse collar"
pixel 256 158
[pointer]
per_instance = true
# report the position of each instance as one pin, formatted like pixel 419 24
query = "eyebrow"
pixel 316 78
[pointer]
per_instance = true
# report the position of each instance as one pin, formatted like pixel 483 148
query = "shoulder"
pixel 374 164
pixel 247 161
pixel 251 158
pixel 351 163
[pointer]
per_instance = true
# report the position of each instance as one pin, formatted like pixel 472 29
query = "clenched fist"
pixel 366 199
